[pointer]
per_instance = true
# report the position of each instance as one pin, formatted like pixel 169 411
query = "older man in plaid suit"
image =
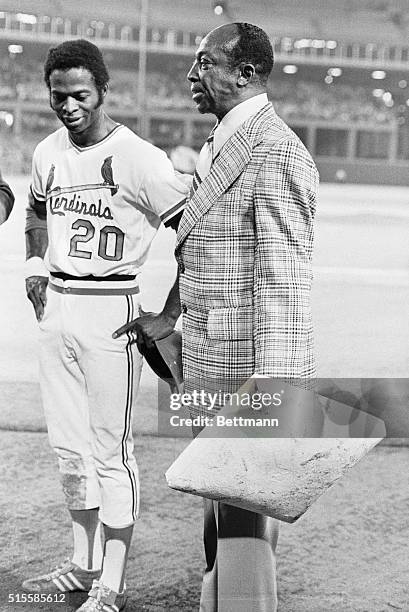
pixel 244 248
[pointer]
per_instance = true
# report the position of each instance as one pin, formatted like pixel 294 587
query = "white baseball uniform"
pixel 104 205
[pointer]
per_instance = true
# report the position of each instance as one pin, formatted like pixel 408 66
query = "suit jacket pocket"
pixel 230 323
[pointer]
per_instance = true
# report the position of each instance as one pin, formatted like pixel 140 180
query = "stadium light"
pixel 26 18
pixel 378 75
pixel 332 44
pixel 15 49
pixel 7 118
pixel 378 93
pixel 318 44
pixel 334 72
pixel 290 69
pixel 329 79
pixel 220 7
pixel 403 84
pixel 302 43
pixel 387 98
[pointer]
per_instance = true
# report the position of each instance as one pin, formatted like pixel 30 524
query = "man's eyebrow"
pixel 201 54
pixel 75 92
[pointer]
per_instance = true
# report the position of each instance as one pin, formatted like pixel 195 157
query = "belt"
pixel 112 277
pixel 91 291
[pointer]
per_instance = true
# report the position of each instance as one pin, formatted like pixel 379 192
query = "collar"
pixel 235 118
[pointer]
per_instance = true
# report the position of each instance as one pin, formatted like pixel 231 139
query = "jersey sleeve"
pixel 36 209
pixel 163 191
pixel 36 217
pixel 37 189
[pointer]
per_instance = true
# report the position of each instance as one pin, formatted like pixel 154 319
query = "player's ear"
pixel 246 73
pixel 104 91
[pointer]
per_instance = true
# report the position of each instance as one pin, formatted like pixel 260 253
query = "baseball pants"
pixel 88 382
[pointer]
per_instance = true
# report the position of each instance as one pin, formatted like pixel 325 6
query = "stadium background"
pixel 341 78
pixel 348 553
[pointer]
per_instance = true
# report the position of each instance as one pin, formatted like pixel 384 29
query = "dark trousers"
pixel 240 546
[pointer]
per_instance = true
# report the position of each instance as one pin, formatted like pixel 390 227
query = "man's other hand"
pixel 36 287
pixel 148 328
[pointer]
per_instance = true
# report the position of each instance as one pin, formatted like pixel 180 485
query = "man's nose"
pixel 192 75
pixel 70 104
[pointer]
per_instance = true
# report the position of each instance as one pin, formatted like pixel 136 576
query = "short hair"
pixel 77 54
pixel 253 46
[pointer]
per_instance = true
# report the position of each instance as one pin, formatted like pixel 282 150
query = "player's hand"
pixel 36 287
pixel 148 328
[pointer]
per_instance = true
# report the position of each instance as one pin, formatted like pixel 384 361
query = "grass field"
pixel 347 554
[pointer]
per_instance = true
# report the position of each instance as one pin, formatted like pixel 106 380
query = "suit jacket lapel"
pixel 228 165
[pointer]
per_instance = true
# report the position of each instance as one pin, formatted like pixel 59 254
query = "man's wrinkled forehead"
pixel 223 38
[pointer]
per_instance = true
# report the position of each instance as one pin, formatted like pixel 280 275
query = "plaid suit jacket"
pixel 244 249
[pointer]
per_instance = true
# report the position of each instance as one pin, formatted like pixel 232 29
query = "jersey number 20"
pixel 116 249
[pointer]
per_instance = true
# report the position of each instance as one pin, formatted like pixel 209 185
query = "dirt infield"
pixel 347 554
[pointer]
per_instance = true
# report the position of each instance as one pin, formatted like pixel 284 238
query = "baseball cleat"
pixel 65 578
pixel 103 599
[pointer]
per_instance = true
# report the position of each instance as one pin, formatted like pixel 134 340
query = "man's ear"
pixel 247 72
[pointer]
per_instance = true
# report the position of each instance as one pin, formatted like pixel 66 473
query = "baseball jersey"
pixel 104 202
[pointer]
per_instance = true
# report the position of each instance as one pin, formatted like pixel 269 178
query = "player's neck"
pixel 97 131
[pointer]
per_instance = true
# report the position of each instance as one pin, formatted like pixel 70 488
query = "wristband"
pixel 35 266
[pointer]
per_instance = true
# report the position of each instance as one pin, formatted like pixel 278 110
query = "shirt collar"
pixel 235 118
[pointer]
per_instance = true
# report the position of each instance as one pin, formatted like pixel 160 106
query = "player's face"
pixel 75 99
pixel 212 82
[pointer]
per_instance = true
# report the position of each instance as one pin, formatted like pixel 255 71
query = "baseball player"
pixel 6 200
pixel 98 195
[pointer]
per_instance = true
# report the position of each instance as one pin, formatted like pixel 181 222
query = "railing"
pixel 359 152
pixel 168 128
pixel 22 26
pixel 317 51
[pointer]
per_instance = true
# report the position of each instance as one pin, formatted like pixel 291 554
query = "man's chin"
pixel 74 127
pixel 203 108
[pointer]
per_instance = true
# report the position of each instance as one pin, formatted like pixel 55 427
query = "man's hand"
pixel 148 328
pixel 36 292
pixel 151 326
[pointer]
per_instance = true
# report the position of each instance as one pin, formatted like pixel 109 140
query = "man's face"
pixel 75 99
pixel 213 83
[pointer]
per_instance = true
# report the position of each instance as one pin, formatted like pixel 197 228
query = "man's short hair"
pixel 253 46
pixel 77 54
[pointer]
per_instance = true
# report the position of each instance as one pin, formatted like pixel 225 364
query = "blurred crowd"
pixel 294 99
pixel 336 102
